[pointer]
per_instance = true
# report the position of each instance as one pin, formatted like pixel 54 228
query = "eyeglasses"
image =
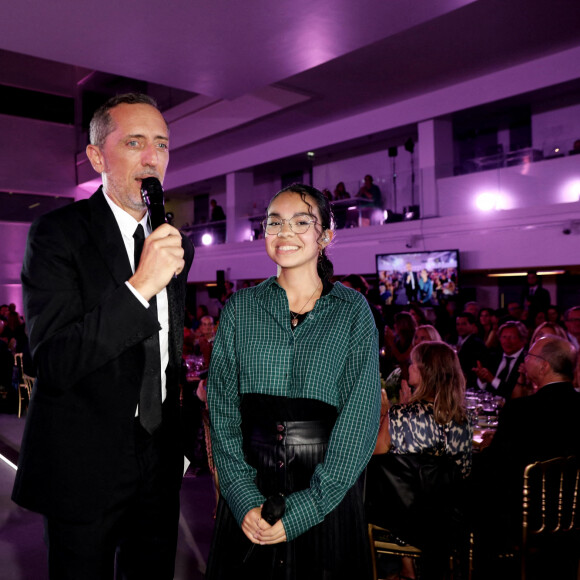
pixel 535 355
pixel 298 225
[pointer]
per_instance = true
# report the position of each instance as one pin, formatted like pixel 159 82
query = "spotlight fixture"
pixel 207 239
pixel 411 212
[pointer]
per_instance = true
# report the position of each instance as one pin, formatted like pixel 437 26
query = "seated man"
pixel 502 373
pixel 205 335
pixel 470 348
pixel 370 192
pixel 572 322
pixel 535 428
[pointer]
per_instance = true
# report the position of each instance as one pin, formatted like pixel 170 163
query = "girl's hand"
pixel 251 524
pixel 271 534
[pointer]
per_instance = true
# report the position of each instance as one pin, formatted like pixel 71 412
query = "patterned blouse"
pixel 332 356
pixel 413 429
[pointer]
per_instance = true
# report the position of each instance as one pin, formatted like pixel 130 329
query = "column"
pixel 435 146
pixel 239 186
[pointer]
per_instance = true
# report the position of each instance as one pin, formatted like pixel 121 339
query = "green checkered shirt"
pixel 332 356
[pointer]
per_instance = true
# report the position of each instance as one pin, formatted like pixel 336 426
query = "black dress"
pixel 284 440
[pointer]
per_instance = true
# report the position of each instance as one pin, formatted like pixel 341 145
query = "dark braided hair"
pixel 324 267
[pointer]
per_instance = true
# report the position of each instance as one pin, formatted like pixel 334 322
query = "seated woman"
pixel 397 387
pixel 432 427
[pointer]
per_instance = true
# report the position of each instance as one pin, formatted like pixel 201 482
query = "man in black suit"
pixel 502 373
pixel 471 350
pixel 535 297
pixel 534 428
pixel 411 283
pixel 101 458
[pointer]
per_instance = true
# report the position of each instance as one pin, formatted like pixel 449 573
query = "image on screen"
pixel 424 278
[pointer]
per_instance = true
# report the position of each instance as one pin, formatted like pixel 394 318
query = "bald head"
pixel 551 359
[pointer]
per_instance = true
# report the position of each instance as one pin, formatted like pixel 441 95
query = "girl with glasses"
pixel 294 400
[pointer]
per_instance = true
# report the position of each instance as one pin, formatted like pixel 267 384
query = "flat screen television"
pixel 425 278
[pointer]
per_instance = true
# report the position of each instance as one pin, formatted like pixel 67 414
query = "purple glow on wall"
pixel 570 191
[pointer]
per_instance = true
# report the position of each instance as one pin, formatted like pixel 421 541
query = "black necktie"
pixel 506 369
pixel 150 394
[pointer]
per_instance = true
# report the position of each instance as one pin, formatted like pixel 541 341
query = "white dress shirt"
pixel 496 382
pixel 128 224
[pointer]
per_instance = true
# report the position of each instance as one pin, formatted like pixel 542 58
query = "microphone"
pixel 152 193
pixel 274 508
pixel 272 511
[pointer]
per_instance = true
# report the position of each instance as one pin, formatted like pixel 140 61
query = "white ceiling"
pixel 218 48
pixel 270 67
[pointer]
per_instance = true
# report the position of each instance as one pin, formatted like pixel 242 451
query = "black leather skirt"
pixel 285 453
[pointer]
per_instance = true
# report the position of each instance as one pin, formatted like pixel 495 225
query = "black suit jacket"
pixel 538 301
pixel 505 387
pixel 534 428
pixel 472 351
pixel 411 290
pixel 86 333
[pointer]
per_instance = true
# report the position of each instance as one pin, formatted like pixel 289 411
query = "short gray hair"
pixel 519 326
pixel 560 354
pixel 102 123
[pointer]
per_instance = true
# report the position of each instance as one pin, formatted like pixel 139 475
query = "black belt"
pixel 290 432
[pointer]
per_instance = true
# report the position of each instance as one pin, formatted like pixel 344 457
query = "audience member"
pixel 548 329
pixel 472 307
pixel 370 192
pixel 200 312
pixel 361 285
pixel 445 314
pixel 485 323
pixel 470 348
pixel 398 389
pixel 492 341
pixel 418 314
pixel 515 311
pixel 342 216
pixel 433 423
pixel 534 319
pixel 524 386
pixel 7 335
pixel 217 212
pixel 340 192
pixel 572 323
pixel 535 298
pixel 398 344
pixel 504 373
pixel 553 314
pixel 534 428
pixel 435 417
pixel 205 336
pixel 6 366
pixel 327 194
